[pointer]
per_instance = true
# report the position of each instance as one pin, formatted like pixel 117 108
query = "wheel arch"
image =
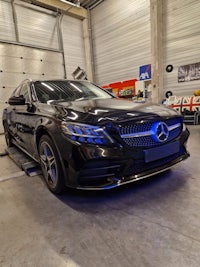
pixel 4 122
pixel 39 133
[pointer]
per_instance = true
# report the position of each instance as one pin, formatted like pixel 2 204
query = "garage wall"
pixel 181 44
pixel 31 47
pixel 34 27
pixel 121 39
pixel 18 63
pixel 39 27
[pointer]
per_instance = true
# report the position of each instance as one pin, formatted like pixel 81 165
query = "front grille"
pixel 141 134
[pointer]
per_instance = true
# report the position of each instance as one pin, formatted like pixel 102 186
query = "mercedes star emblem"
pixel 162 132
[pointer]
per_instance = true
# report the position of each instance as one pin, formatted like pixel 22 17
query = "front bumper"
pixel 97 168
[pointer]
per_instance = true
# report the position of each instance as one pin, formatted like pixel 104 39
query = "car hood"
pixel 99 110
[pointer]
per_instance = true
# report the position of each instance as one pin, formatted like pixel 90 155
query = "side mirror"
pixel 16 100
pixel 30 107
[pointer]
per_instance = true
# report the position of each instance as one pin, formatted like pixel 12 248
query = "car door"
pixel 23 119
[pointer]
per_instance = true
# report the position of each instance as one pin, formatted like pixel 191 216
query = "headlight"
pixel 85 133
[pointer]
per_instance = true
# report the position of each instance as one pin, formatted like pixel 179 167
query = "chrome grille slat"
pixel 174 126
pixel 147 133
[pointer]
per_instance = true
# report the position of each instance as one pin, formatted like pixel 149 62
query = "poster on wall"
pixel 189 72
pixel 145 72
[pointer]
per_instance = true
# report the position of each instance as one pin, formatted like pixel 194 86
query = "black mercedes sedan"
pixel 85 138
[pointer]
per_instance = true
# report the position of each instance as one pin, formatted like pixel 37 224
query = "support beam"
pixel 157 49
pixel 15 20
pixel 88 48
pixel 78 12
pixel 60 40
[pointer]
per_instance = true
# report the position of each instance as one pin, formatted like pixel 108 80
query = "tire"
pixel 51 165
pixel 8 136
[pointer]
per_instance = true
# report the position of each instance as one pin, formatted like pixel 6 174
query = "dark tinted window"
pixel 68 91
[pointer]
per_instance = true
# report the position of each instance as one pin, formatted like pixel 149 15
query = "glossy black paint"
pixel 90 166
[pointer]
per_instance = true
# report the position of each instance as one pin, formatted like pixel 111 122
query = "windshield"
pixel 49 91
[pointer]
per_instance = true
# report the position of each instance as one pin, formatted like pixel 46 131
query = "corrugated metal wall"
pixel 72 32
pixel 181 42
pixel 121 39
pixel 7 28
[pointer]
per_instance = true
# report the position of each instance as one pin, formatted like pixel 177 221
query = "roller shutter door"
pixel 7 28
pixel 121 39
pixel 37 26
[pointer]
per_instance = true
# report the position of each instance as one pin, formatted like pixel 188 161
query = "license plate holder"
pixel 160 152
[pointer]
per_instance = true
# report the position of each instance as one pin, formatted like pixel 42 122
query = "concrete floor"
pixel 155 222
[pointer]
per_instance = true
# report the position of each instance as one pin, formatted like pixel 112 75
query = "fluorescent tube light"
pixel 70 3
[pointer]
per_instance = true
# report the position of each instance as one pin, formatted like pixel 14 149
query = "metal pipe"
pixel 91 45
pixel 32 46
pixel 60 41
pixel 37 8
pixel 15 20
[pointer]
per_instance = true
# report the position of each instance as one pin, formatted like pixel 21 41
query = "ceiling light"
pixel 70 3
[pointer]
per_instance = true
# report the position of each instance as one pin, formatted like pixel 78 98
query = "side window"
pixel 24 90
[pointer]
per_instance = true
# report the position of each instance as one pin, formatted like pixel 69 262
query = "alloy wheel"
pixel 49 164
